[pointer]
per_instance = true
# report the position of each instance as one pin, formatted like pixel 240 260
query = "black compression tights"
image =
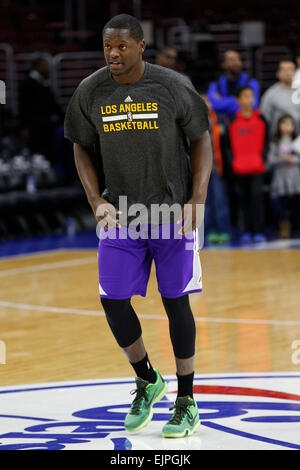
pixel 182 326
pixel 126 327
pixel 122 320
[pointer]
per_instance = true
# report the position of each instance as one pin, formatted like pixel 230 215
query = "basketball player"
pixel 142 115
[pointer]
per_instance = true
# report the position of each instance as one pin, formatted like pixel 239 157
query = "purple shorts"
pixel 125 263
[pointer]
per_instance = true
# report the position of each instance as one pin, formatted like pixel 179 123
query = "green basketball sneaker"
pixel 185 419
pixel 141 412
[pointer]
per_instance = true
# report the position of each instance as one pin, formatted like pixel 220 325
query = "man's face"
pixel 246 99
pixel 232 62
pixel 167 58
pixel 121 51
pixel 44 68
pixel 286 72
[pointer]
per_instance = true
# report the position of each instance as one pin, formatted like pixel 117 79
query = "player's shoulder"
pixel 97 78
pixel 168 77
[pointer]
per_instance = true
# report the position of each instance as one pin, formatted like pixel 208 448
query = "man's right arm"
pixel 222 104
pixel 89 179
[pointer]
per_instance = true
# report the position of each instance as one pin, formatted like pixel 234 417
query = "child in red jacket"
pixel 248 143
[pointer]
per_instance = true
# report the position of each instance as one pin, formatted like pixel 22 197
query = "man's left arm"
pixel 201 164
pixel 253 83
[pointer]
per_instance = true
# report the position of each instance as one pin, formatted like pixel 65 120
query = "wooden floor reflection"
pixel 54 329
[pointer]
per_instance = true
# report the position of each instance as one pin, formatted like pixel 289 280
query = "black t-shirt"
pixel 142 130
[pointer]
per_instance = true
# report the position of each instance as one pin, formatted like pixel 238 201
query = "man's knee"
pixel 122 320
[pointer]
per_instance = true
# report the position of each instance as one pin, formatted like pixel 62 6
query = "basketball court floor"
pixel 65 383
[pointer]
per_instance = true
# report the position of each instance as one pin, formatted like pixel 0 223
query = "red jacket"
pixel 248 141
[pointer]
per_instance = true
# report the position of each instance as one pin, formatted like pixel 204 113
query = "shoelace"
pixel 179 413
pixel 136 404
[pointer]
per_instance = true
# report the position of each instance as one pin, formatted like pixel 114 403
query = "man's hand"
pixel 104 211
pixel 192 215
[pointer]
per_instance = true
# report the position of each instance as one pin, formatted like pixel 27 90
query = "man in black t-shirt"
pixel 141 115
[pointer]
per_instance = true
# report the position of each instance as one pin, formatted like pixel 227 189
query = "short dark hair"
pixel 282 61
pixel 224 54
pixel 240 90
pixel 129 22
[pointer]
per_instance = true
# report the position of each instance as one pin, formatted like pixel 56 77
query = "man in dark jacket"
pixel 222 93
pixel 39 110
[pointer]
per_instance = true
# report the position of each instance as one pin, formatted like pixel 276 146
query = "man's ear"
pixel 142 46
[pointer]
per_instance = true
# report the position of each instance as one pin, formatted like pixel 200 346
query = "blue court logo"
pixel 236 411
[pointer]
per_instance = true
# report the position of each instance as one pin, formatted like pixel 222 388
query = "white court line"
pixel 99 313
pixel 48 266
pixel 43 308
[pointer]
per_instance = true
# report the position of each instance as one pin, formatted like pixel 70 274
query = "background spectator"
pixel 285 184
pixel 278 99
pixel 248 141
pixel 167 57
pixel 222 93
pixel 40 113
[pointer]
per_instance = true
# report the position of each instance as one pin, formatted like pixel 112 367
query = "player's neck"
pixel 133 76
